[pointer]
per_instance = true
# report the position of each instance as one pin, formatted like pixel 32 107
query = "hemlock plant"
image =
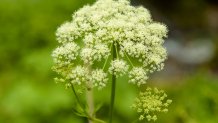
pixel 112 38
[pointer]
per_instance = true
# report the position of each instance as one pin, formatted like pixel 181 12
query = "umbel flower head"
pixel 87 43
pixel 150 102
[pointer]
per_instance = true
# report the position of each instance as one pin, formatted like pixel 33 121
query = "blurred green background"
pixel 28 93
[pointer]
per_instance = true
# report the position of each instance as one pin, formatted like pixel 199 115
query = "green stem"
pixel 78 100
pixel 113 88
pixel 117 51
pixel 129 59
pixel 98 120
pixel 90 118
pixel 107 58
pixel 89 97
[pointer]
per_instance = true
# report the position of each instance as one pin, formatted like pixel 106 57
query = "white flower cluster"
pixel 79 75
pixel 97 53
pixel 99 78
pixel 66 53
pixel 150 102
pixel 118 67
pixel 136 50
pixel 88 41
pixel 63 57
pixel 138 76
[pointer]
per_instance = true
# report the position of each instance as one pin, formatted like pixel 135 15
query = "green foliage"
pixel 27 90
pixel 194 102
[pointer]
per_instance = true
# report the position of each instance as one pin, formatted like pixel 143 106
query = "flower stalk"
pixel 113 86
pixel 90 102
pixel 78 100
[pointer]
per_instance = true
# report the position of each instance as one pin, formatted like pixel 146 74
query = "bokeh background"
pixel 28 93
